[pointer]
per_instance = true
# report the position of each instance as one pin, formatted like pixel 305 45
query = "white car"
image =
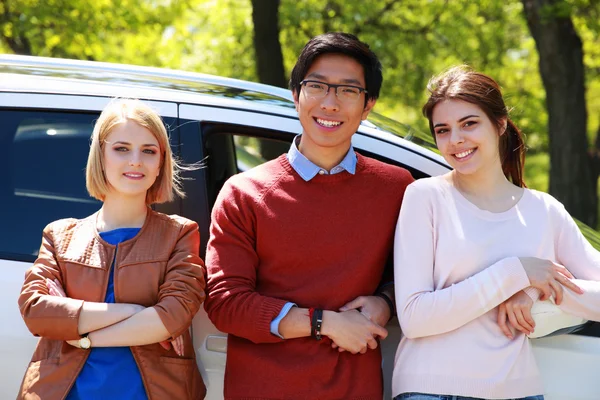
pixel 47 111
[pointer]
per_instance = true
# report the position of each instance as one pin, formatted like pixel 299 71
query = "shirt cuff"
pixel 275 323
pixel 533 293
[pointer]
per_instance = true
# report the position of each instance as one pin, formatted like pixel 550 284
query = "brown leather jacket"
pixel 159 268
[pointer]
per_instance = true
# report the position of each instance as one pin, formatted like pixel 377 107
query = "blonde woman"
pixel 106 290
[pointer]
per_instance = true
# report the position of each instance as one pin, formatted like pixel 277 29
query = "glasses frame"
pixel 335 87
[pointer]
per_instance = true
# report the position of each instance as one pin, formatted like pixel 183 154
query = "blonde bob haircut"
pixel 118 111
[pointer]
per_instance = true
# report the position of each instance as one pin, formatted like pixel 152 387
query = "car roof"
pixel 30 74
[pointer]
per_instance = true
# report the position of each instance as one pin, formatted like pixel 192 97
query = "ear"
pixel 502 126
pixel 368 107
pixel 296 95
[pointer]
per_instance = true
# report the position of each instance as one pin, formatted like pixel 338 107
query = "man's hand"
pixel 517 310
pixel 373 307
pixel 351 331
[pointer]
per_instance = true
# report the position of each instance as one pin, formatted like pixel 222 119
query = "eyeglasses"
pixel 345 93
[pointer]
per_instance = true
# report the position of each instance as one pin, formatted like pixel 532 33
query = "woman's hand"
pixel 517 310
pixel 372 307
pixel 177 344
pixel 548 277
pixel 351 331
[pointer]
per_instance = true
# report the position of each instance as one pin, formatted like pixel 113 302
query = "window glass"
pixel 43 158
pixel 252 151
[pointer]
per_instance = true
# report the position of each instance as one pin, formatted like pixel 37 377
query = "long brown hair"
pixel 463 83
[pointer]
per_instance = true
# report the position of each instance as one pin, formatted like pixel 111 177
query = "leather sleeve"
pixel 182 292
pixel 48 316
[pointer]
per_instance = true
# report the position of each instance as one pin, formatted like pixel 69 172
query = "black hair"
pixel 339 43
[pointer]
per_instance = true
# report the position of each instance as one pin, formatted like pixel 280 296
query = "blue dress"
pixel 110 372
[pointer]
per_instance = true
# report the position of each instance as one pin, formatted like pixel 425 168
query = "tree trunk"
pixel 269 57
pixel 572 178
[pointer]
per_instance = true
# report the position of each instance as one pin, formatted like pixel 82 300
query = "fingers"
pixel 515 316
pixel 354 304
pixel 562 270
pixel 558 291
pixel 165 344
pixel 571 285
pixel 179 346
pixel 502 321
pixel 379 331
pixel 372 344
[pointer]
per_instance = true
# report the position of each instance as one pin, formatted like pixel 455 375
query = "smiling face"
pixel 466 137
pixel 328 123
pixel 131 159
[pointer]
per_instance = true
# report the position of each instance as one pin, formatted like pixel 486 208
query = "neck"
pixel 486 184
pixel 324 157
pixel 122 212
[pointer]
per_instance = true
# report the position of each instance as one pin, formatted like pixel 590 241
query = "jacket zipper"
pixel 88 353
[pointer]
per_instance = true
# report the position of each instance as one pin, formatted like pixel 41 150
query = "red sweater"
pixel 276 238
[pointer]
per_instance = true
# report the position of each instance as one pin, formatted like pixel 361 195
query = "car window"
pixel 43 156
pixel 252 151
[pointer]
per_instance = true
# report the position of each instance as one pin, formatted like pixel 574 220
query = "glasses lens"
pixel 315 88
pixel 348 92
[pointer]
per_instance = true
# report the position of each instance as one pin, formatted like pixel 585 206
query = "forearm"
pixel 586 305
pixel 95 316
pixel 143 328
pixel 427 313
pixel 295 324
pixel 245 313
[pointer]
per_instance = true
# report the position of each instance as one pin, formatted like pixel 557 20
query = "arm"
pixel 425 311
pixel 48 316
pixel 179 298
pixel 94 316
pixel 233 304
pixel 583 261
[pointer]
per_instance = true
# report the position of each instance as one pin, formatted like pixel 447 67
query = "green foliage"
pixel 415 40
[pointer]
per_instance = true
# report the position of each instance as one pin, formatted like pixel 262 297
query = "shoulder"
pixel 256 181
pixel 174 221
pixel 67 226
pixel 385 170
pixel 434 185
pixel 546 202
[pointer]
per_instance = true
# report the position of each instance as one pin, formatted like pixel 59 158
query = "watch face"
pixel 85 343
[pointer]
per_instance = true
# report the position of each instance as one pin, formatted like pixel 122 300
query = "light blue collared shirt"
pixel 308 170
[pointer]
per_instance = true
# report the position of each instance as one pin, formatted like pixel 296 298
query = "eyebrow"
pixel 350 81
pixel 129 144
pixel 460 120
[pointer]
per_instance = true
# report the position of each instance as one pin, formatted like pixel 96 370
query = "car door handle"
pixel 216 343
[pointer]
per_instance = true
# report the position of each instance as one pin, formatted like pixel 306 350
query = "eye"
pixel 121 148
pixel 441 131
pixel 470 123
pixel 149 151
pixel 316 85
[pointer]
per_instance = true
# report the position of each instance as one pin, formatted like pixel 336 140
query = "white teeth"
pixel 464 153
pixel 328 124
pixel 134 175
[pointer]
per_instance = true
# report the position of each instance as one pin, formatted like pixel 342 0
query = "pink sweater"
pixel 454 264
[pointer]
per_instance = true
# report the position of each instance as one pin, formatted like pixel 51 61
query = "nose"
pixel 136 159
pixel 330 102
pixel 456 136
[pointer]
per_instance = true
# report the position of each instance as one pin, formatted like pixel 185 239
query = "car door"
pixel 44 142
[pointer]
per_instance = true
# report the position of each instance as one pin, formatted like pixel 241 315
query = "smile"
pixel 134 175
pixel 464 154
pixel 327 124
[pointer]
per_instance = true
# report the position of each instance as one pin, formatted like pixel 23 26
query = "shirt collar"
pixel 308 170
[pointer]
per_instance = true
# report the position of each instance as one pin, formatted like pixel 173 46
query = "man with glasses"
pixel 299 244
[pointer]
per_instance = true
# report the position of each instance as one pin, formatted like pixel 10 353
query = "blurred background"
pixel 544 53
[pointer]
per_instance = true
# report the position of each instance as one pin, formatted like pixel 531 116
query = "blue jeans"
pixel 422 396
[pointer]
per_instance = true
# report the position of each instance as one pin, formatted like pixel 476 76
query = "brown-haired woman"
pixel 474 247
pixel 106 290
